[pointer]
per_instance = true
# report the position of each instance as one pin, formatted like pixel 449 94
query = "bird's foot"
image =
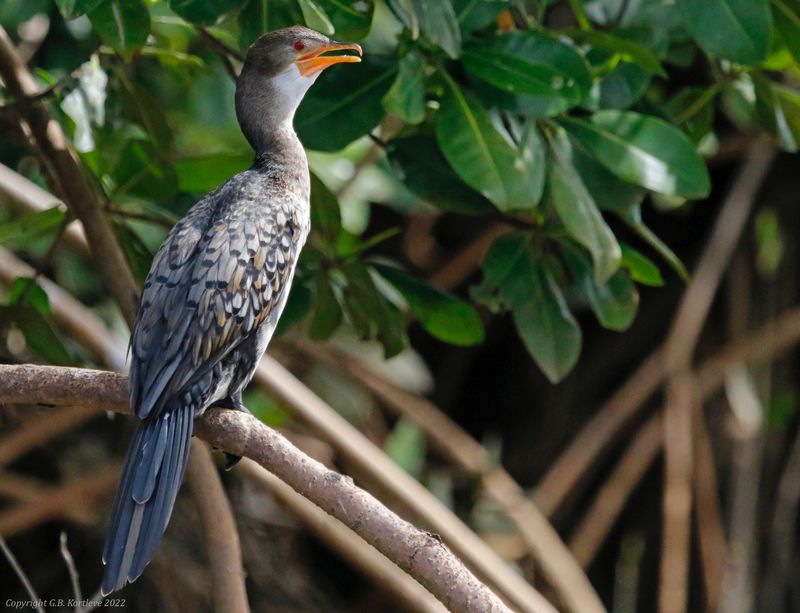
pixel 231 460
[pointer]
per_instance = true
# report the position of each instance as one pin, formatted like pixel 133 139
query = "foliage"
pixel 559 132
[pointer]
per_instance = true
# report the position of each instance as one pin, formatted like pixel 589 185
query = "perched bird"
pixel 215 292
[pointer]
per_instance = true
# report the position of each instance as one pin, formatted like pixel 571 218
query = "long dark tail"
pixel 146 493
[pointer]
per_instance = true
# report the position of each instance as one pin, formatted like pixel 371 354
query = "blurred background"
pixel 552 274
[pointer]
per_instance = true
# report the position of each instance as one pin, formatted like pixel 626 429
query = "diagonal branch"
pixel 419 553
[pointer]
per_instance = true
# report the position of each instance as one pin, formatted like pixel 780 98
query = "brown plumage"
pixel 214 294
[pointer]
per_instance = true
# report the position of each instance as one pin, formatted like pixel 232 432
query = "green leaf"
pixel 406 446
pixel 579 212
pixel 204 12
pixel 351 20
pixel 778 110
pixel 420 166
pixel 297 305
pixel 371 315
pixel 531 64
pixel 140 171
pixel 260 16
pixel 441 314
pixel 326 216
pixel 643 150
pixel 542 318
pixel 640 267
pixel 315 17
pixel 75 8
pixel 39 334
pixel 136 252
pixel 608 192
pixel 633 217
pixel 25 291
pixel 28 227
pixel 615 302
pixel 406 96
pixel 476 14
pixel 438 23
pixel 123 24
pixel 786 16
pixel 692 109
pixel 202 174
pixel 327 312
pixel 621 88
pixel 628 50
pixel 737 30
pixel 344 104
pixel 480 155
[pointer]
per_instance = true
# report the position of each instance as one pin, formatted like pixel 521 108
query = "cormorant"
pixel 215 292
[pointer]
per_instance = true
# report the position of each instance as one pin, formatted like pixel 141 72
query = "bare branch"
pixel 21 574
pixel 558 566
pixel 343 540
pixel 221 536
pixel 71 569
pixel 419 553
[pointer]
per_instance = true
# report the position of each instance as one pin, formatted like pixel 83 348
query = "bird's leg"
pixel 234 401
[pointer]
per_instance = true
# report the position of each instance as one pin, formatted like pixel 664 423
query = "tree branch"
pixel 419 553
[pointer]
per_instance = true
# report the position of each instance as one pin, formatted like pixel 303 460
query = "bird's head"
pixel 278 70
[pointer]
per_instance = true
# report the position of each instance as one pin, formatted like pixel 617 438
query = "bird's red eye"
pixel 299 46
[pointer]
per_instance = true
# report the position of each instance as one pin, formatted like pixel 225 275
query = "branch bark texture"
pixel 419 553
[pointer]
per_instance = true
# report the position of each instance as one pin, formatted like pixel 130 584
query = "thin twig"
pixel 74 578
pixel 35 600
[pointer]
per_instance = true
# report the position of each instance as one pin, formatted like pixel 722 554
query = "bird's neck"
pixel 265 107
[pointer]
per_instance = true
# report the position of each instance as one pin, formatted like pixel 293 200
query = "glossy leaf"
pixel 480 155
pixel 633 217
pixel 406 97
pixel 140 171
pixel 351 20
pixel 39 334
pixel 260 16
pixel 438 23
pixel 641 268
pixel 327 315
pixel 32 226
pixel 204 12
pixel 608 191
pixel 371 315
pixel 545 324
pixel 778 109
pixel 25 290
pixel 123 24
pixel 326 217
pixel 614 302
pixel 203 174
pixel 75 8
pixel 642 150
pixel 476 14
pixel 441 314
pixel 420 166
pixel 315 17
pixel 737 30
pixel 628 50
pixel 786 16
pixel 344 104
pixel 579 212
pixel 530 64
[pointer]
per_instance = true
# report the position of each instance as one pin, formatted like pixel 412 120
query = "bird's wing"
pixel 216 278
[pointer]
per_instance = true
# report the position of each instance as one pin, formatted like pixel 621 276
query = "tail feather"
pixel 146 493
